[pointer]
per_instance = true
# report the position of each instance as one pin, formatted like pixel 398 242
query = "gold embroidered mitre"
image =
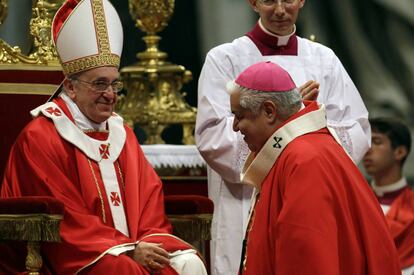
pixel 87 34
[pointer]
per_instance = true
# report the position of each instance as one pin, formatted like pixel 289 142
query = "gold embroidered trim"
pixel 249 228
pixel 120 175
pixel 100 25
pixel 99 192
pixel 90 62
pixel 94 131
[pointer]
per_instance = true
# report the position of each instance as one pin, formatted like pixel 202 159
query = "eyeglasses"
pixel 102 86
pixel 270 3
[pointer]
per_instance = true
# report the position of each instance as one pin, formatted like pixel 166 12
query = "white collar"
pixel 282 40
pixel 381 190
pixel 81 120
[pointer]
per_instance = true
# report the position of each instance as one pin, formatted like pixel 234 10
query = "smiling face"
pixel 279 17
pixel 256 128
pixel 96 106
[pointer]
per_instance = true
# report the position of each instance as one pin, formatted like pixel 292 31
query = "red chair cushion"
pixel 31 205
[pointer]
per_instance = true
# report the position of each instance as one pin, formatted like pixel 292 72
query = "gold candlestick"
pixel 154 99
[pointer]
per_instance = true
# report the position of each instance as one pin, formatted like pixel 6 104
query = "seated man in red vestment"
pixel 391 144
pixel 312 211
pixel 79 151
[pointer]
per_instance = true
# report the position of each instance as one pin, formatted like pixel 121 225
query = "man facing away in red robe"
pixel 78 150
pixel 313 212
pixel 391 144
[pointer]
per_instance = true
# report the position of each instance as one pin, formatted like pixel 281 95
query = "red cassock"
pixel 316 215
pixel 42 163
pixel 400 218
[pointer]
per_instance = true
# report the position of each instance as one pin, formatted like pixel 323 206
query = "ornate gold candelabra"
pixel 154 99
pixel 43 51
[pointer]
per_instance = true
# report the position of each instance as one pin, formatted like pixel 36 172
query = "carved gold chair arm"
pixel 33 228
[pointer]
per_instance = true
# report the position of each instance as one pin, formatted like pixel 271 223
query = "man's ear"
pixel 253 4
pixel 400 152
pixel 302 3
pixel 69 88
pixel 270 111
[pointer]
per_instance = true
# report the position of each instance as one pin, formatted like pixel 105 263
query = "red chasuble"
pixel 316 215
pixel 43 163
pixel 400 218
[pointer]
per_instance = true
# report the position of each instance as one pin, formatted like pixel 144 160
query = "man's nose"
pixel 279 8
pixel 368 152
pixel 110 93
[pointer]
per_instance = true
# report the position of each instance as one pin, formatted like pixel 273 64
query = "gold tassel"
pixel 30 227
pixel 191 228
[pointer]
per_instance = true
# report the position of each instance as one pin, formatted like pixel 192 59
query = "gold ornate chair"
pixel 191 216
pixel 27 221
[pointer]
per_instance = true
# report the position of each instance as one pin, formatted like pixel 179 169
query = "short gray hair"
pixel 72 77
pixel 288 102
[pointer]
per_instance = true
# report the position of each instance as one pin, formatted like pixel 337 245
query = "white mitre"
pixel 87 34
